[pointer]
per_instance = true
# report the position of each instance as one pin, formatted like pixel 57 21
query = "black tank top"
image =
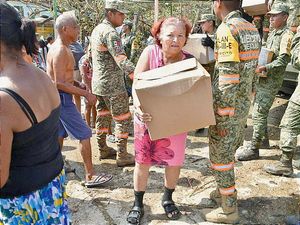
pixel 36 158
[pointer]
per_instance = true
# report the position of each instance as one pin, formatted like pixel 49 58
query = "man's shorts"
pixel 70 121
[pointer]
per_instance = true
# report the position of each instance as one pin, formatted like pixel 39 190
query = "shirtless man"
pixel 61 67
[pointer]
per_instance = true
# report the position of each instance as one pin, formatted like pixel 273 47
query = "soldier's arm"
pixel 296 51
pixel 115 48
pixel 229 77
pixel 284 56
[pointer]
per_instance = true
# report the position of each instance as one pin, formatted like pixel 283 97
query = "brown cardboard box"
pixel 204 55
pixel 265 57
pixel 177 96
pixel 255 7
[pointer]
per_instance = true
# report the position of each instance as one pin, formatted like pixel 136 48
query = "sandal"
pixel 98 180
pixel 135 215
pixel 171 210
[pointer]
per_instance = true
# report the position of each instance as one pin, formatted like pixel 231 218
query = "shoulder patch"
pixel 286 43
pixel 226 46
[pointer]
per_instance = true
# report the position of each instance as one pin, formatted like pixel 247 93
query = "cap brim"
pixel 201 21
pixel 124 11
pixel 274 12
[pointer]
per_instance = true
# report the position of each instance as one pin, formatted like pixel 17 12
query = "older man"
pixel 61 67
pixel 109 65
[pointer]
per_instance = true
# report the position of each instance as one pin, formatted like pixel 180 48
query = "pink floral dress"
pixel 168 151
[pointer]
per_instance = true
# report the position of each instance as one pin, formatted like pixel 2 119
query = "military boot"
pixel 215 196
pixel 227 213
pixel 296 159
pixel 265 144
pixel 125 159
pixel 107 153
pixel 248 152
pixel 283 167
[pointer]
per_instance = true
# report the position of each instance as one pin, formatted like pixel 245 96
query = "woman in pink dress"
pixel 170 35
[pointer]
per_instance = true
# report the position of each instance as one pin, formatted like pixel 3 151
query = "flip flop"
pixel 98 180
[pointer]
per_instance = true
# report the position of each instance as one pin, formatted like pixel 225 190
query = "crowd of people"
pixel 41 105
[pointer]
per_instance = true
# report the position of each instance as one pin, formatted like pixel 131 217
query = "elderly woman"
pixel 32 179
pixel 171 35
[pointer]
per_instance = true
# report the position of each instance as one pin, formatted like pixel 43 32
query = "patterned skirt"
pixel 46 206
pixel 169 151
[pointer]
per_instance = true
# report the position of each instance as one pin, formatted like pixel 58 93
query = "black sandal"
pixel 171 210
pixel 135 215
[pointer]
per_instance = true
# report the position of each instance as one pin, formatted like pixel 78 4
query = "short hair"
pixel 157 27
pixel 15 32
pixel 65 19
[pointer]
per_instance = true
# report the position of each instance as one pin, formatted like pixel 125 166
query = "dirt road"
pixel 262 198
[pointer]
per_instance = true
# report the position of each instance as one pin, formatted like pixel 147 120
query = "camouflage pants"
pixel 117 108
pixel 290 129
pixel 262 104
pixel 221 154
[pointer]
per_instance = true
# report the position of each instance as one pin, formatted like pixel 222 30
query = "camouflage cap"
pixel 279 8
pixel 207 17
pixel 117 5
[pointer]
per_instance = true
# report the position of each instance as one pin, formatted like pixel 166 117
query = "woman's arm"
pixel 142 66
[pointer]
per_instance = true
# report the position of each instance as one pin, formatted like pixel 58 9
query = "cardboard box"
pixel 265 57
pixel 177 96
pixel 204 55
pixel 255 7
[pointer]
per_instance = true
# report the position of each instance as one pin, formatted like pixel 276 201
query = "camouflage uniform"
pixel 109 64
pixel 127 40
pixel 209 17
pixel 294 12
pixel 237 50
pixel 290 123
pixel 138 45
pixel 279 42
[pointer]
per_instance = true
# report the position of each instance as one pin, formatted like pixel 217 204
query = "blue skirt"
pixel 46 206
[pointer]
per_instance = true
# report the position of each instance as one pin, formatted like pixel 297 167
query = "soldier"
pixel 208 26
pixel 294 12
pixel 237 50
pixel 290 123
pixel 267 87
pixel 127 37
pixel 109 64
pixel 139 43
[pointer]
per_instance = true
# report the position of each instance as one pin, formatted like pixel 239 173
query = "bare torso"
pixel 60 72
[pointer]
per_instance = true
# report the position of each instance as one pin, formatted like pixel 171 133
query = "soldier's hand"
pixel 222 132
pixel 207 42
pixel 92 99
pixel 261 69
pixel 144 117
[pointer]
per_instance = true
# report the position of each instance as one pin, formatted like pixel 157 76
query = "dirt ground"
pixel 262 198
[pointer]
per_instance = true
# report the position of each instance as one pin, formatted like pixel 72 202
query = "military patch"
pixel 227 47
pixel 285 44
pixel 118 46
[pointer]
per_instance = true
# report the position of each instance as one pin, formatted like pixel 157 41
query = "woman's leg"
pixel 88 114
pixel 140 178
pixel 171 178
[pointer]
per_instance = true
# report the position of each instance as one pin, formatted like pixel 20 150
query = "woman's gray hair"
pixel 65 19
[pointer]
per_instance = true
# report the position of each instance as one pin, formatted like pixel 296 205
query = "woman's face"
pixel 172 38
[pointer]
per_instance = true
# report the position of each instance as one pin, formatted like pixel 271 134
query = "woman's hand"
pixel 144 117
